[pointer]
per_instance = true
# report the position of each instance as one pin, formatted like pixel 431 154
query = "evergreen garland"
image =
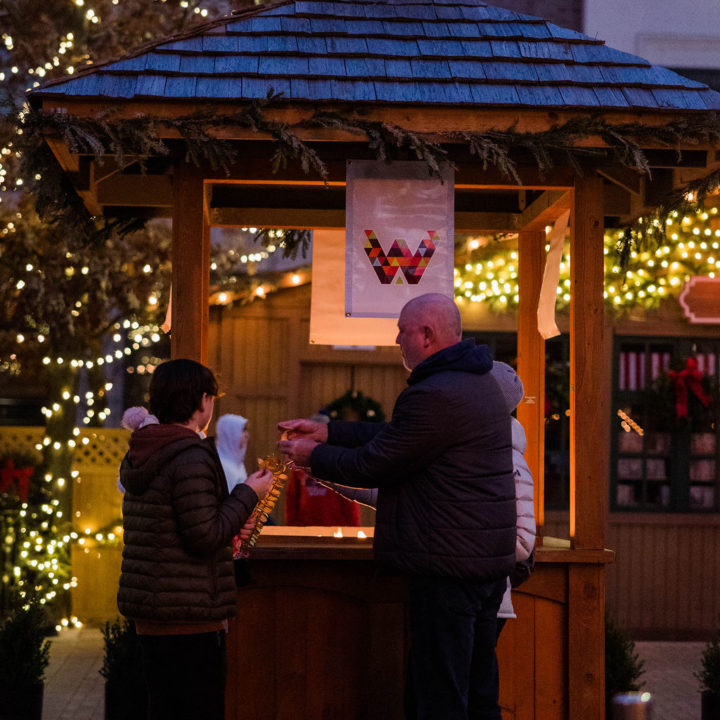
pixel 141 136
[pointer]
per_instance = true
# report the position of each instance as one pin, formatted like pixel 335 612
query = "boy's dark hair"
pixel 177 388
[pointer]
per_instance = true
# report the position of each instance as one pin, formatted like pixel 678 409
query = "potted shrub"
pixel 709 677
pixel 623 666
pixel 24 656
pixel 125 694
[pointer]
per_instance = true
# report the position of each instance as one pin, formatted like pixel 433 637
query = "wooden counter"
pixel 321 634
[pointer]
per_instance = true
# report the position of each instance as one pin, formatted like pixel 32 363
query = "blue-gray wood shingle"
pixel 443 52
pixel 220 88
pixel 545 95
pixel 220 43
pixel 150 85
pixel 285 66
pixel 236 65
pixel 398 69
pixel 365 67
pixel 163 62
pixel 312 45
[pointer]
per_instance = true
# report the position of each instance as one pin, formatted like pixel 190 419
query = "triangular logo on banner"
pixel 412 266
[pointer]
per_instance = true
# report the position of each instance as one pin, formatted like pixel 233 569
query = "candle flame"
pixel 338 533
pixel 361 535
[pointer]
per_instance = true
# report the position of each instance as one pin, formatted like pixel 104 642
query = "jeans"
pixel 453 632
pixel 185 676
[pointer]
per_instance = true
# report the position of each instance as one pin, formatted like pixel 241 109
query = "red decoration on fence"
pixel 684 381
pixel 21 476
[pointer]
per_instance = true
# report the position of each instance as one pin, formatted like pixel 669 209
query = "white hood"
pixel 228 434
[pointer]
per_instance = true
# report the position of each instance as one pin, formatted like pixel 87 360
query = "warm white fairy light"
pixel 651 276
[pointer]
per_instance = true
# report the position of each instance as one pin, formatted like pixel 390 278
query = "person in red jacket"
pixel 307 502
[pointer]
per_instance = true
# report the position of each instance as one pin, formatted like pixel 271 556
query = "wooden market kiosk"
pixel 536 120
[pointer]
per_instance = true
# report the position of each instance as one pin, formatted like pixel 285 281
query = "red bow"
pixel 688 379
pixel 22 476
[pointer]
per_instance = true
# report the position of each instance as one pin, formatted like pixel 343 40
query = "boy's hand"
pixel 260 481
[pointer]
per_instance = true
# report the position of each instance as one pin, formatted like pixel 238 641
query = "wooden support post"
pixel 190 265
pixel 586 641
pixel 531 363
pixel 589 397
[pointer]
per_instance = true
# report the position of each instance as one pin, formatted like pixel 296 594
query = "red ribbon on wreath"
pixel 21 476
pixel 685 381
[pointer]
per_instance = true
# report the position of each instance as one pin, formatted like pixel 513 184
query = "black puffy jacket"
pixel 443 466
pixel 178 522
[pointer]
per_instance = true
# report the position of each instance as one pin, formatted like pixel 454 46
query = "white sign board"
pixel 399 236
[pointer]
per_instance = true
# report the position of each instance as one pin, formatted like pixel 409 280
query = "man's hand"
pixel 299 449
pixel 310 429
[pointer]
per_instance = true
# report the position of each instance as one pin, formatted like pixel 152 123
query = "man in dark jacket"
pixel 446 504
pixel 177 580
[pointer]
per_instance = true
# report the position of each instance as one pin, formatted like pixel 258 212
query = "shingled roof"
pixel 442 52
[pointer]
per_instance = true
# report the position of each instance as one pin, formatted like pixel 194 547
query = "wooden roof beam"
pixel 107 166
pixel 300 218
pixel 424 119
pixel 623 177
pixel 135 190
pixel 543 211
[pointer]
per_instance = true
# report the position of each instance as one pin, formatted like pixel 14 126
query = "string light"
pixel 652 275
pixel 628 424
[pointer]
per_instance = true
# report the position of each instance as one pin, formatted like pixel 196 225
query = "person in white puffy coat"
pixel 513 392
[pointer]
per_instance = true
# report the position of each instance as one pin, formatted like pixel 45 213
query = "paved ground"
pixel 669 668
pixel 74 687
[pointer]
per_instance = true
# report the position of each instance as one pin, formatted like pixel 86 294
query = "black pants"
pixel 453 632
pixel 185 676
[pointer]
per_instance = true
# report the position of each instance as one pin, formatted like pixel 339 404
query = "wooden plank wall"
pixel 665 581
pixel 270 372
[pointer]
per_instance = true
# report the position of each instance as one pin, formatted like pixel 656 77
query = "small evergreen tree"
pixel 125 693
pixel 623 666
pixel 709 674
pixel 34 559
pixel 24 656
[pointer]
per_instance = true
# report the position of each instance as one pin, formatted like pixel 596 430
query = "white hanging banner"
pixel 167 323
pixel 547 327
pixel 399 235
pixel 329 325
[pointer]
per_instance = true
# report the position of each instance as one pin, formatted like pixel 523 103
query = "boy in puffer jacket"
pixel 177 582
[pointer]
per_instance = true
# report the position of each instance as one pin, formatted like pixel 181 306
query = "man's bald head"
pixel 438 312
pixel 427 324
